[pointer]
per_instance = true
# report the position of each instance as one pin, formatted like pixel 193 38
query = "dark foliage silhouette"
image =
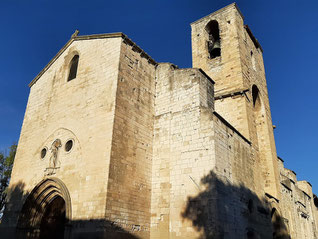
pixel 6 163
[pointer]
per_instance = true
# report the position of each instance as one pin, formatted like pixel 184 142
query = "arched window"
pixel 214 44
pixel 73 68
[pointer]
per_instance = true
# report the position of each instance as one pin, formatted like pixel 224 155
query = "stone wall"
pixel 236 71
pixel 182 150
pixel 158 151
pixel 225 70
pixel 82 110
pixel 129 187
pixel 297 206
pixel 204 173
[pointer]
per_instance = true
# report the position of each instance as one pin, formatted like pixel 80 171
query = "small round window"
pixel 43 153
pixel 69 145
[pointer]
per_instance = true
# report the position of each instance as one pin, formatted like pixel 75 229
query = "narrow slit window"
pixel 256 97
pixel 73 68
pixel 316 201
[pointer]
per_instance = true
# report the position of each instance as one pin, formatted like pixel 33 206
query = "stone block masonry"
pixel 117 145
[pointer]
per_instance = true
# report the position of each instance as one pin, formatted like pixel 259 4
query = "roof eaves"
pixel 253 38
pixel 206 75
pixel 224 121
pixel 220 10
pixel 75 38
pixel 138 49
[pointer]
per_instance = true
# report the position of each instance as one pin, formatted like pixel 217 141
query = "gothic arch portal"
pixel 49 202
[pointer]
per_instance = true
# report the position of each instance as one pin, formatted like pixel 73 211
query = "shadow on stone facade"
pixel 220 211
pixel 20 222
pixel 99 228
pixel 16 194
pixel 224 210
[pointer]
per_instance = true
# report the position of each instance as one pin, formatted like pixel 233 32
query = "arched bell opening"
pixel 214 41
pixel 46 212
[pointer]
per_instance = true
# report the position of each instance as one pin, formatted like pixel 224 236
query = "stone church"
pixel 116 145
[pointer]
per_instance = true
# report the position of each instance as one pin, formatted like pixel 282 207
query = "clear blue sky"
pixel 32 32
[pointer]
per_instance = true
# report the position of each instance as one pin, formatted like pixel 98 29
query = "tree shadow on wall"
pixel 102 228
pixel 17 222
pixel 15 194
pixel 224 210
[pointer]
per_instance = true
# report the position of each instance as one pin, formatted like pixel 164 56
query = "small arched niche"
pixel 256 98
pixel 214 43
pixel 279 226
pixel 73 68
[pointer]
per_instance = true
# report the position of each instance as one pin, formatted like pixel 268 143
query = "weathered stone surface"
pixel 132 148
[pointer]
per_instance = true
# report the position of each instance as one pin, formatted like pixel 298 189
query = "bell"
pixel 216 45
pixel 215 49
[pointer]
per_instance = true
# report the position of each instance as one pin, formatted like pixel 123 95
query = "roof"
pixel 224 121
pixel 253 38
pixel 92 37
pixel 221 10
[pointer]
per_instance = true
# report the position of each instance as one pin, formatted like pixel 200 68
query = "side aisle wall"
pixel 241 208
pixel 129 187
pixel 297 205
pixel 203 169
pixel 182 151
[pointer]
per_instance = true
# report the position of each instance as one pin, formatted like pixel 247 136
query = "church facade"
pixel 116 145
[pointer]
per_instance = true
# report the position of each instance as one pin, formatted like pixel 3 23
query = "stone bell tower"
pixel 228 52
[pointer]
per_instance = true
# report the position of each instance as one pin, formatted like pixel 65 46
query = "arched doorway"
pixel 46 212
pixel 53 220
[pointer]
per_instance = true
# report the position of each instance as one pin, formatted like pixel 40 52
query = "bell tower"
pixel 228 52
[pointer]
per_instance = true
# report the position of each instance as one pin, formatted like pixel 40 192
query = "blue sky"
pixel 32 32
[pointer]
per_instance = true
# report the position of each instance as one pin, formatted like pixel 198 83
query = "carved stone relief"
pixel 54 163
